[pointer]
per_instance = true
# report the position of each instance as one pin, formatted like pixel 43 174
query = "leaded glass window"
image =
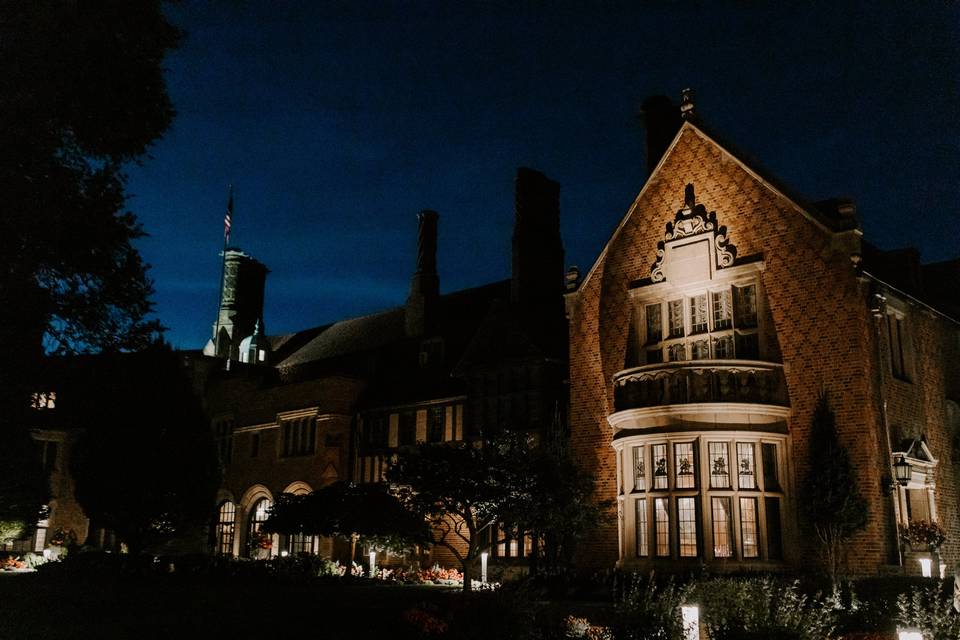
pixel 723 348
pixel 675 310
pixel 639 475
pixel 226 526
pixel 700 350
pixel 661 518
pixel 746 466
pixel 678 352
pixel 687 525
pixel 642 544
pixel 722 512
pixel 719 465
pixel 684 465
pixel 659 453
pixel 750 538
pixel 722 310
pixel 698 313
pixel 654 324
pixel 745 306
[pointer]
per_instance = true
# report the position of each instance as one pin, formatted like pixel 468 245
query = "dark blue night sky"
pixel 336 123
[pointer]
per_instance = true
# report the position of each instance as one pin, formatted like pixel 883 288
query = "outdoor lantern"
pixel 909 634
pixel 373 562
pixel 483 567
pixel 903 470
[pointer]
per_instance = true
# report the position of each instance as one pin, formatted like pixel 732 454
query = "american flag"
pixel 228 218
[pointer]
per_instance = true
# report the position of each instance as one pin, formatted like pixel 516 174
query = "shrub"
pixel 645 611
pixel 930 609
pixel 741 608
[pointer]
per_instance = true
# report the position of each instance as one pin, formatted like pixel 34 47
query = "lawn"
pixel 48 607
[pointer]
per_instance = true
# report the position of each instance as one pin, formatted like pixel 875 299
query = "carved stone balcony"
pixel 700 381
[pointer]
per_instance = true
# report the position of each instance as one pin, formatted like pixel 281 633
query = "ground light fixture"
pixel 926 567
pixel 909 634
pixel 373 562
pixel 483 567
pixel 690 614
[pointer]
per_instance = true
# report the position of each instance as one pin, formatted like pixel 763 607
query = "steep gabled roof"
pixel 826 216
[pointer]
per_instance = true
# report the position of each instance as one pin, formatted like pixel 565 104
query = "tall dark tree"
pixel 146 465
pixel 83 94
pixel 833 506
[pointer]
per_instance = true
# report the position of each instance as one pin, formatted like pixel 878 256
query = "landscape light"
pixel 284 554
pixel 483 567
pixel 691 621
pixel 909 634
pixel 373 562
pixel 926 567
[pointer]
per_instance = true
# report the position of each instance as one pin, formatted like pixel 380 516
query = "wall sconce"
pixel 903 470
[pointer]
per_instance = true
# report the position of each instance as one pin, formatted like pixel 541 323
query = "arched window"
pixel 258 515
pixel 225 528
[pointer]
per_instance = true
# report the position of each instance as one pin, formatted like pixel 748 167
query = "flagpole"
pixel 228 222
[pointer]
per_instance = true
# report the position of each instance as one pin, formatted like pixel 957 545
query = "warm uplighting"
pixel 926 567
pixel 909 634
pixel 903 470
pixel 373 562
pixel 284 554
pixel 483 567
pixel 690 614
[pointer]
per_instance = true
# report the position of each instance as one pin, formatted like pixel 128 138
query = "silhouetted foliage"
pixel 832 504
pixel 23 485
pixel 146 465
pixel 83 93
pixel 368 511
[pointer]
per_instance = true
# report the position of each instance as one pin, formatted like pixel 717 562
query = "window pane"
pixel 723 348
pixel 722 527
pixel 719 465
pixel 639 476
pixel 225 527
pixel 662 521
pixel 675 309
pixel 659 452
pixel 677 352
pixel 748 528
pixel 408 428
pixel 771 479
pixel 435 420
pixel 700 350
pixel 642 548
pixel 722 312
pixel 698 314
pixel 684 465
pixel 745 302
pixel 687 521
pixel 654 324
pixel 774 535
pixel 746 465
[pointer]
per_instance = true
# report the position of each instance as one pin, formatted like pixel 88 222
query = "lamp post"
pixel 373 562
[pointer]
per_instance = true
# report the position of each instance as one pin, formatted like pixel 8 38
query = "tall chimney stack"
pixel 662 120
pixel 538 278
pixel 425 284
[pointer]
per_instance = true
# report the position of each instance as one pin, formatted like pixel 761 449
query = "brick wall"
pixel 818 309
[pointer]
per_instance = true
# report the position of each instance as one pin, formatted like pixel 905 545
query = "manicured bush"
pixel 930 609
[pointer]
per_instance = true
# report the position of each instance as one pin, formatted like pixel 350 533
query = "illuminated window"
pixel 661 518
pixel 639 475
pixel 719 465
pixel 44 400
pixel 675 316
pixel 722 512
pixel 684 465
pixel 258 515
pixel 642 543
pixel 659 453
pixel 687 523
pixel 722 310
pixel 746 466
pixel 226 526
pixel 698 314
pixel 301 544
pixel 750 542
pixel 654 324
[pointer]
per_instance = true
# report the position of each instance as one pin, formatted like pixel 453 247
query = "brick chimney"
pixel 538 276
pixel 662 120
pixel 425 284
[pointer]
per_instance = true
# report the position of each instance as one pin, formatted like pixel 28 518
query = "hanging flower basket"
pixel 921 534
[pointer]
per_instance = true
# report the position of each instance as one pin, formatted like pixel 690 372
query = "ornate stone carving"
pixel 694 219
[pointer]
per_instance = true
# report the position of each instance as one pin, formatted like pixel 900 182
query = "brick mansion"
pixel 682 368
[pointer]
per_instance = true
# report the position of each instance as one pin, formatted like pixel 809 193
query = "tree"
pixel 832 503
pixel 23 486
pixel 462 490
pixel 84 95
pixel 368 513
pixel 146 465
